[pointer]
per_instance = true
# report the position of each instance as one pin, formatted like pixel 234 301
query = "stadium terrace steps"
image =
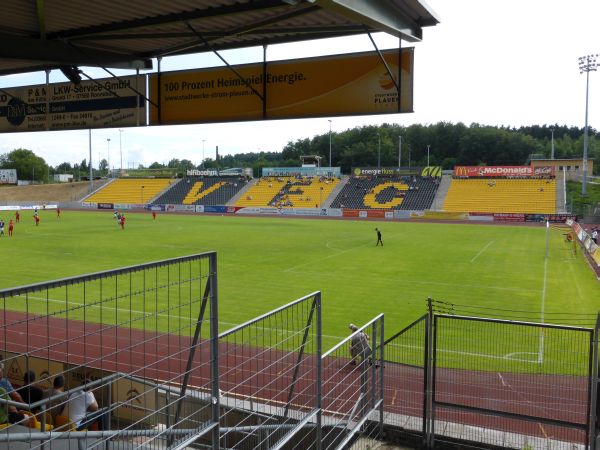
pixel 392 193
pixel 208 191
pixel 242 192
pixel 130 191
pixel 336 190
pixel 440 195
pixel 288 192
pixel 561 206
pixel 502 195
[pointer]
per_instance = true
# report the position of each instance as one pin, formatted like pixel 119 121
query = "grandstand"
pixel 502 195
pixel 289 192
pixel 202 191
pixel 130 191
pixel 393 193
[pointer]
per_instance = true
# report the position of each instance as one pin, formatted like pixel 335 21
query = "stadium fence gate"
pixel 492 383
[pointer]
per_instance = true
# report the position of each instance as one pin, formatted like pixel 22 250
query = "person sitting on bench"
pixel 83 410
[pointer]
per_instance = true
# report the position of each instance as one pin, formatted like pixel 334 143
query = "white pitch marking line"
pixel 481 251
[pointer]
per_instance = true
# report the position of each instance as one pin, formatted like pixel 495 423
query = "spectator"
pixel 29 392
pixel 7 392
pixel 83 409
pixel 359 345
pixel 55 407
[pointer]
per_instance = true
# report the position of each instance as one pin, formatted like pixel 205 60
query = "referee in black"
pixel 379 241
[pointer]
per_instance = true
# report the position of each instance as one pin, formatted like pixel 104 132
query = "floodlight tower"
pixel 586 64
pixel 121 150
pixel 378 151
pixel 330 164
pixel 108 151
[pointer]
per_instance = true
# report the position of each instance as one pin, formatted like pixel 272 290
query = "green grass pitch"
pixel 266 262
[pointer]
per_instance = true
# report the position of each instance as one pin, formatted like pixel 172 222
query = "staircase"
pixel 233 200
pixel 335 192
pixel 442 191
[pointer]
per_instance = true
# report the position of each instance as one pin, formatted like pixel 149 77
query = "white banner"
pixel 188 208
pixel 8 176
pixel 102 103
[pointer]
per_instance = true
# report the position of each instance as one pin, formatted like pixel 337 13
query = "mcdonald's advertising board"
pixel 102 103
pixel 313 87
pixel 503 171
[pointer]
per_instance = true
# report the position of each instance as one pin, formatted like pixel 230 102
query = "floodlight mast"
pixel 586 64
pixel 330 163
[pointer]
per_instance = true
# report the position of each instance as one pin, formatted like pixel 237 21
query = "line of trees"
pixel 449 145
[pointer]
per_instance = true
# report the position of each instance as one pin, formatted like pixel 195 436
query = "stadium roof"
pixel 50 34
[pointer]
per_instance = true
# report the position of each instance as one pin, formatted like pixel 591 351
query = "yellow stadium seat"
pixel 130 191
pixel 502 195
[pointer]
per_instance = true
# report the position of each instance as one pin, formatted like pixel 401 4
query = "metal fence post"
pixel 214 350
pixel 372 359
pixel 427 378
pixel 319 392
pixel 593 390
pixel 381 375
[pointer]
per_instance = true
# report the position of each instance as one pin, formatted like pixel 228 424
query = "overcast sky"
pixel 494 62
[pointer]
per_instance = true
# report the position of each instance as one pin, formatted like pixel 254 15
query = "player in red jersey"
pixel 36 217
pixel 11 226
pixel 154 215
pixel 57 212
pixel 17 216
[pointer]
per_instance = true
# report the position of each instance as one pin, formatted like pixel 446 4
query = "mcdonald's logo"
pixel 461 171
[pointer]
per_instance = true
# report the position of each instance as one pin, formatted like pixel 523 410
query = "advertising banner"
pixel 44 369
pixel 380 171
pixel 135 398
pixel 180 208
pixel 256 210
pixel 8 176
pixel 311 87
pixel 502 171
pixel 103 103
pixel 106 206
pixel 596 256
pixel 507 217
pixel 554 218
pixel 439 215
pixel 401 214
pixel 301 171
pixel 213 209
